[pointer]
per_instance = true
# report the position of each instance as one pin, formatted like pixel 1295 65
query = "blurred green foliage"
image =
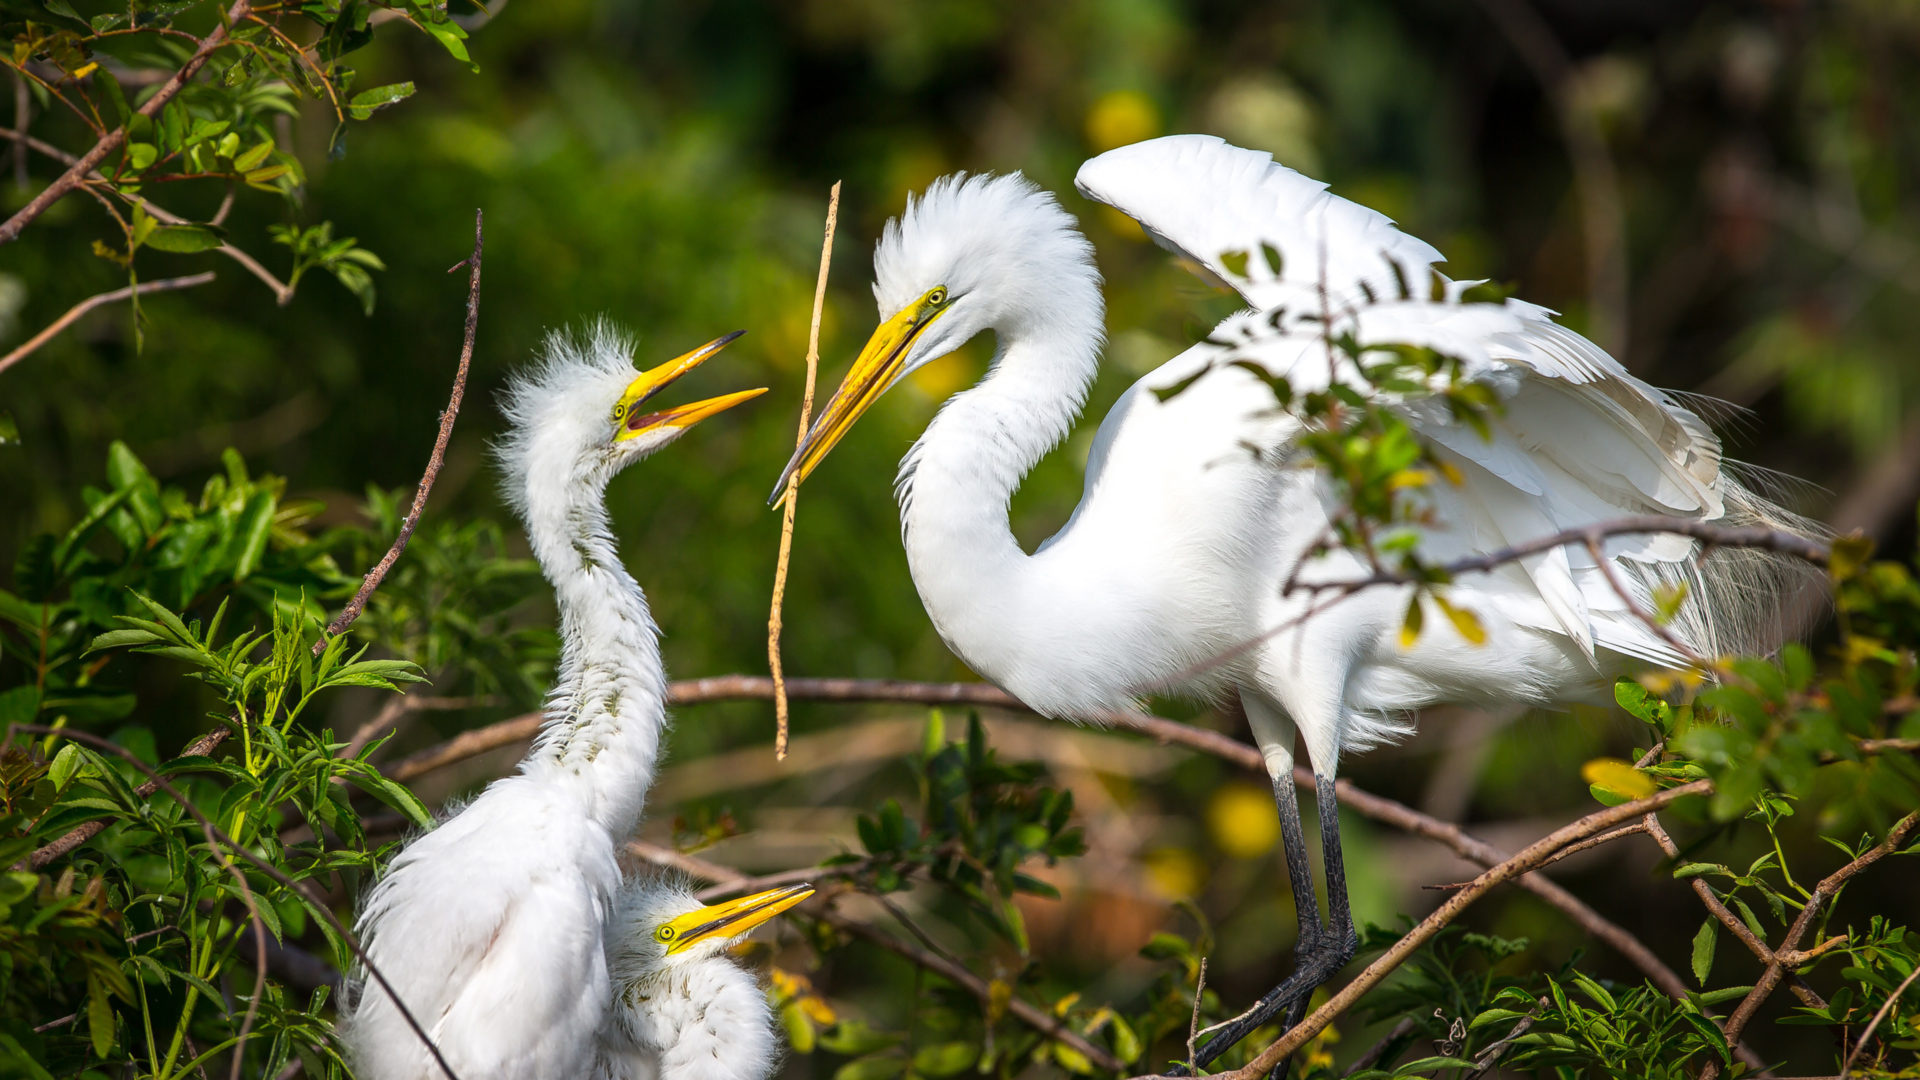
pixel 666 163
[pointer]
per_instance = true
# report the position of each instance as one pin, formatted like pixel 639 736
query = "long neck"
pixel 706 1021
pixel 992 602
pixel 607 710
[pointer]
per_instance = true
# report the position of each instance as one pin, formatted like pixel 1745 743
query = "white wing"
pixel 1578 440
pixel 490 927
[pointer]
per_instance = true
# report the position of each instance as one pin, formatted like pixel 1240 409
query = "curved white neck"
pixel 1013 617
pixel 607 709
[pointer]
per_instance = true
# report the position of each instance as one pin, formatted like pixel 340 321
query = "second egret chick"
pixel 682 1009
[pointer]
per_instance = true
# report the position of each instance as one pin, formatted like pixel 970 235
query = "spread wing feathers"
pixel 1204 199
pixel 1577 439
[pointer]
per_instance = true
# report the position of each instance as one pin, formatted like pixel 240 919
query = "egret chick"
pixel 682 1008
pixel 490 926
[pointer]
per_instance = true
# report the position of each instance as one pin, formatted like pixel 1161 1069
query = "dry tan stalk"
pixel 774 624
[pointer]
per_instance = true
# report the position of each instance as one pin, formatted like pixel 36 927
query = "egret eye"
pixel 620 410
pixel 938 296
pixel 663 934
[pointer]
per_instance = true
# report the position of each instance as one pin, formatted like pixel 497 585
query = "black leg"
pixel 1323 948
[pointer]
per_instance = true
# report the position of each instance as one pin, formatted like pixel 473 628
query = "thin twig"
pixel 1038 1019
pixel 774 622
pixel 112 139
pixel 113 296
pixel 1193 1022
pixel 216 837
pixel 379 571
pixel 1495 1050
pixel 1846 1067
pixel 1365 1061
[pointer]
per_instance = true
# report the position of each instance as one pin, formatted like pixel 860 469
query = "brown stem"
pixel 1038 1019
pixel 1168 732
pixel 379 571
pixel 111 141
pixel 1846 1067
pixel 792 501
pixel 113 296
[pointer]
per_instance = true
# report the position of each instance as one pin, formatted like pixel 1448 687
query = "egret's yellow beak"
pixel 878 365
pixel 730 919
pixel 633 422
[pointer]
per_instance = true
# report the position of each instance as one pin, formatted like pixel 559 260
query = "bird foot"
pixel 1316 960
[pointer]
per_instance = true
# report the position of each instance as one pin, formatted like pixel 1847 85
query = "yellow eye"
pixel 665 933
pixel 938 296
pixel 620 410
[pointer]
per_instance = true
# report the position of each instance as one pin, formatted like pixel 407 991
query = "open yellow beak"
pixel 633 422
pixel 730 919
pixel 878 365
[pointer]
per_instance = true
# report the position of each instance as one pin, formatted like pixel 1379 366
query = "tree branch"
pixel 379 571
pixel 1822 893
pixel 1038 1019
pixel 114 296
pixel 112 140
pixel 1524 862
pixel 1167 732
pixel 282 292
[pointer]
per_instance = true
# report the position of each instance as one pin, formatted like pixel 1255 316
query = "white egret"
pixel 1178 549
pixel 490 926
pixel 682 1010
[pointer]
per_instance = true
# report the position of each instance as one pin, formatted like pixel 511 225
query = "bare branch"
pixel 774 621
pixel 379 571
pixel 112 140
pixel 114 296
pixel 1038 1019
pixel 1168 732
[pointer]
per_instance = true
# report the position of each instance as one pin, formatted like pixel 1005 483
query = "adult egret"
pixel 490 926
pixel 681 1009
pixel 1186 530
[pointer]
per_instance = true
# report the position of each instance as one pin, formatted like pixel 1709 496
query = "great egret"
pixel 681 1009
pixel 490 926
pixel 1183 537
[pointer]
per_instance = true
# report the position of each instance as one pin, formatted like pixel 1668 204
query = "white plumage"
pixel 1180 543
pixel 493 926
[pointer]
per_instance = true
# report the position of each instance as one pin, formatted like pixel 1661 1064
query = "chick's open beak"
pixel 878 365
pixel 733 917
pixel 634 422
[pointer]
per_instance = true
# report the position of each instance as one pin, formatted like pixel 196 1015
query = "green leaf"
pixel 944 1059
pixel 185 239
pixel 368 102
pixel 253 158
pixel 99 1017
pixel 1703 945
pixel 453 39
pixel 64 764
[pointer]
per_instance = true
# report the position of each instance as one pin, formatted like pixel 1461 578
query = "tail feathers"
pixel 1740 600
